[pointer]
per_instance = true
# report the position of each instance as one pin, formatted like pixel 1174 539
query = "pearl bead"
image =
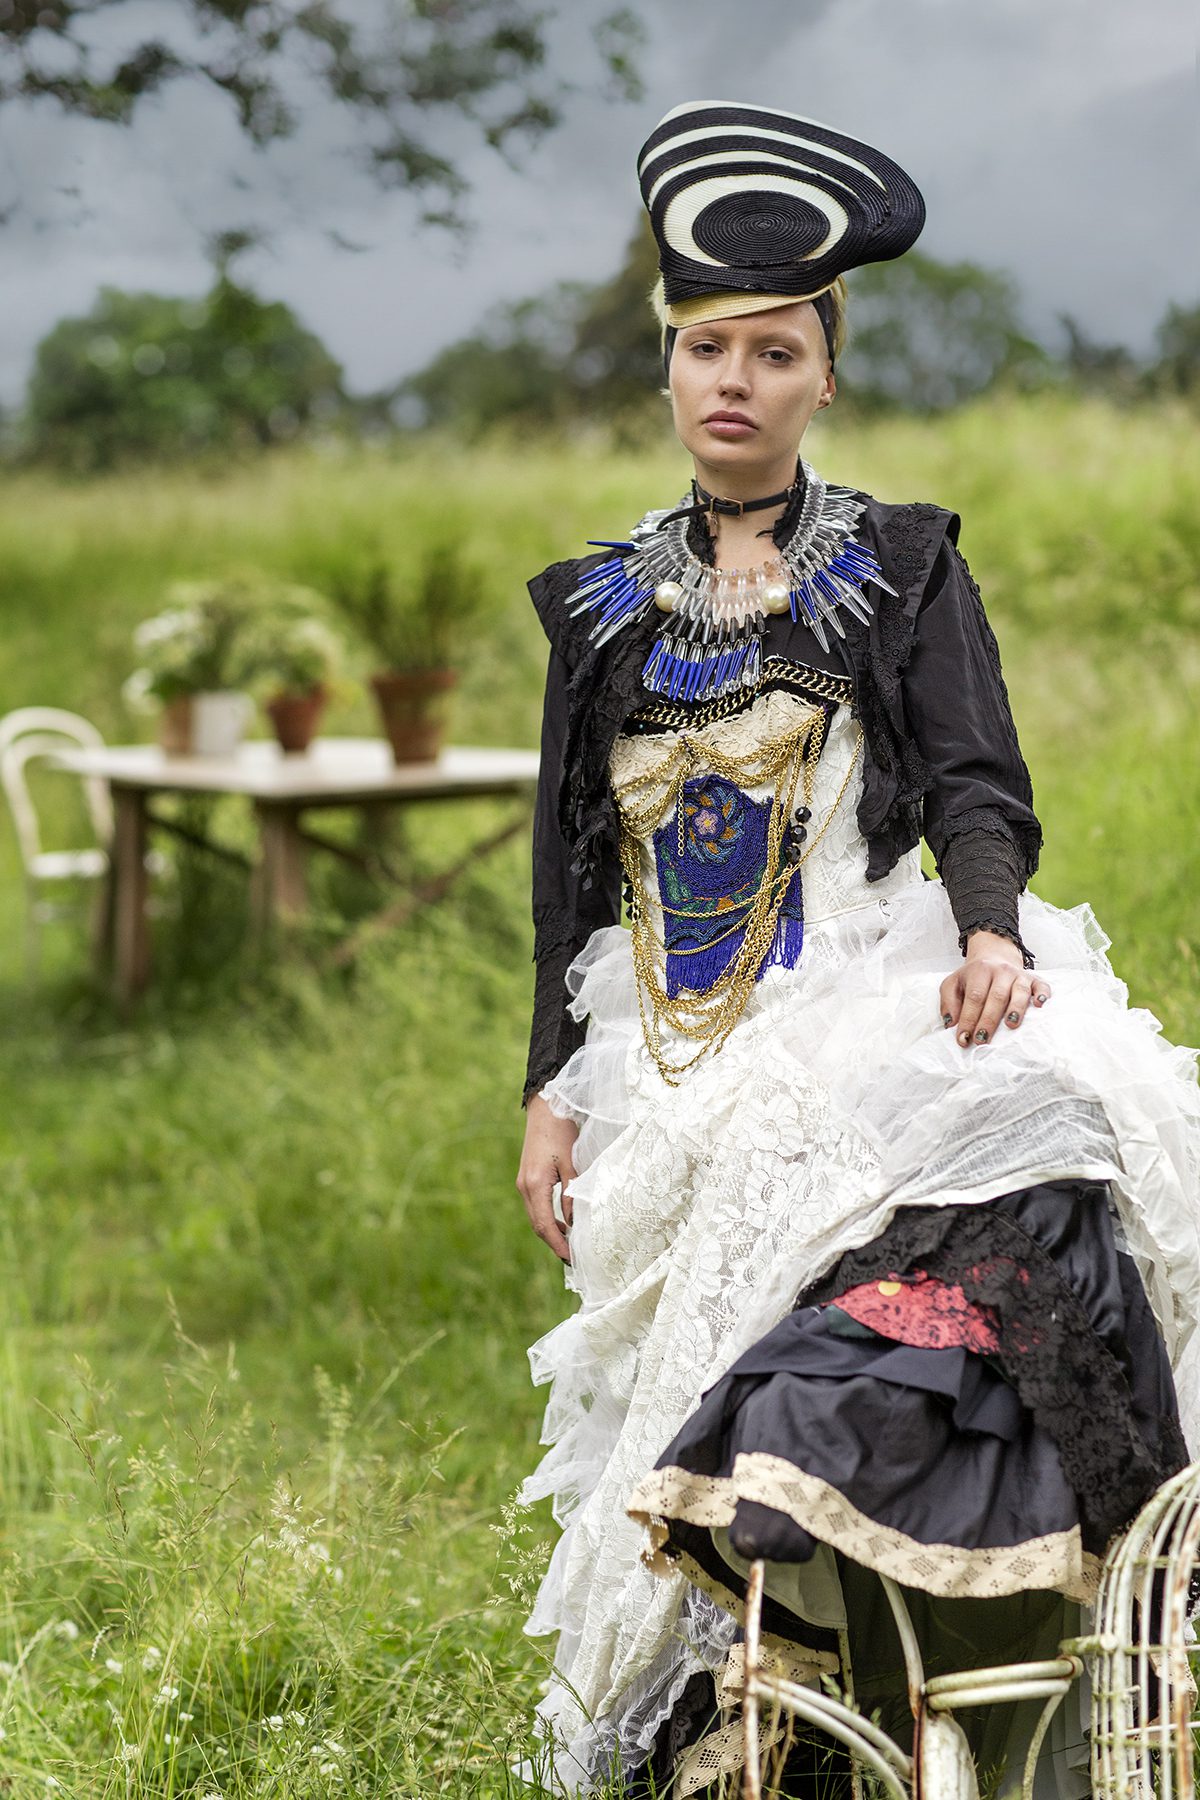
pixel 667 596
pixel 776 597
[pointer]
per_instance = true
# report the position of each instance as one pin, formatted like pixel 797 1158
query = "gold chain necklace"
pixel 788 761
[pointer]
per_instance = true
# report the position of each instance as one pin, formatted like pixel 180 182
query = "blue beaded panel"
pixel 714 879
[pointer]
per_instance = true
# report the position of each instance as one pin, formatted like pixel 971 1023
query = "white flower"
pixel 7 1668
pixel 51 1783
pixel 165 1695
pixel 178 622
pixel 185 1718
pixel 296 1718
pixel 136 691
pixel 328 1768
pixel 152 1657
pixel 275 1722
pixel 113 1665
pixel 68 1629
pixel 129 1753
pixel 334 1748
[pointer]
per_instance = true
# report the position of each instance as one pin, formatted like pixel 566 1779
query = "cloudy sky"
pixel 1053 138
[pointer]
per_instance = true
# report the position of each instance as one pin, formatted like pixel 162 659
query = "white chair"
pixel 1143 1694
pixel 25 735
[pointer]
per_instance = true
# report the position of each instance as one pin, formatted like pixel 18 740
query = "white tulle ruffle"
pixel 701 1210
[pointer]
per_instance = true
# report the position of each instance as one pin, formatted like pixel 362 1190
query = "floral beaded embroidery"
pixel 712 860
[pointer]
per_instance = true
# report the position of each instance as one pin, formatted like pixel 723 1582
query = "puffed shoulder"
pixel 550 592
pixel 908 539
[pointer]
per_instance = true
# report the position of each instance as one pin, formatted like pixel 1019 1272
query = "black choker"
pixel 706 503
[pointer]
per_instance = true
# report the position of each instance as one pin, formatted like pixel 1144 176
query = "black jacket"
pixel 941 759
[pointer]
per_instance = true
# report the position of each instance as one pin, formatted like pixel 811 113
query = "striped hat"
pixel 767 206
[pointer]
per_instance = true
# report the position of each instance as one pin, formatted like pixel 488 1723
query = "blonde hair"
pixel 733 305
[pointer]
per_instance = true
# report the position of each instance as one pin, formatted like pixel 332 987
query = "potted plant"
pixel 417 631
pixel 297 659
pixel 193 664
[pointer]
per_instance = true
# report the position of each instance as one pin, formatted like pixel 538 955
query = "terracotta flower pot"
pixel 295 717
pixel 175 726
pixel 414 708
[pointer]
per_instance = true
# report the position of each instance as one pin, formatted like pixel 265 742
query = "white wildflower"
pixel 296 1718
pixel 68 1629
pixel 129 1753
pixel 165 1695
pixel 293 1535
pixel 275 1722
pixel 334 1748
pixel 185 1718
pixel 328 1768
pixel 152 1657
pixel 114 1665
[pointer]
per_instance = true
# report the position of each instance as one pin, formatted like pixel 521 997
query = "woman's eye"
pixel 702 349
pixel 780 356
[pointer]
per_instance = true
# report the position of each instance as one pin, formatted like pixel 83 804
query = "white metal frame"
pixel 1143 1694
pixel 31 733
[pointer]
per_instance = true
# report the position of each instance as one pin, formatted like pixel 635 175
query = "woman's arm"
pixel 978 816
pixel 565 913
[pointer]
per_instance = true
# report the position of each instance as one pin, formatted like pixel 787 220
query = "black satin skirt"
pixel 987 1480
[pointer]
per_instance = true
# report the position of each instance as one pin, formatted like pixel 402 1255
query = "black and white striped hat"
pixel 747 200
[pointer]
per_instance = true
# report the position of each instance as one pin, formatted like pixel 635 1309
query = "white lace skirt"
pixel 701 1210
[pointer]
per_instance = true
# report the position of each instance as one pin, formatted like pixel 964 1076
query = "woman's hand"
pixel 546 1159
pixel 991 985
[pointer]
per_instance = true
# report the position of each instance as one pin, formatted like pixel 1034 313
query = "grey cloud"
pixel 1050 140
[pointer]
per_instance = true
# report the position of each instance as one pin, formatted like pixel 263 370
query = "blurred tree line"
pixel 925 336
pixel 143 376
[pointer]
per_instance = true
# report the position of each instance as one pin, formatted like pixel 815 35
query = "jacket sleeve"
pixel 978 816
pixel 565 912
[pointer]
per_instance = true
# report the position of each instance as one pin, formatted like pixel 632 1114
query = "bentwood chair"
pixel 26 735
pixel 1143 1693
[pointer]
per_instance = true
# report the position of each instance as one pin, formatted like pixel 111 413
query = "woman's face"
pixel 770 370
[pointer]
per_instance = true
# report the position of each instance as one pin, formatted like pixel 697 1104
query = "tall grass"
pixel 267 1282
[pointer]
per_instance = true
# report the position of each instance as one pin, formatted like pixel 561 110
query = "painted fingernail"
pixel 981 1037
pixel 946 1019
pixel 1040 999
pixel 964 1037
pixel 1014 1018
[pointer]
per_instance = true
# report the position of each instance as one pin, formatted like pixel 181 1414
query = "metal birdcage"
pixel 1143 1693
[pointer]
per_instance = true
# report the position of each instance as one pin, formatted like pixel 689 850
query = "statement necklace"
pixel 710 639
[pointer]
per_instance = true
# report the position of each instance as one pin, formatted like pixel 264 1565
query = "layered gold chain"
pixel 644 801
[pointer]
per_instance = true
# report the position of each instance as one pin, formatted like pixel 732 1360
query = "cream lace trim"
pixel 1057 1561
pixel 721 1751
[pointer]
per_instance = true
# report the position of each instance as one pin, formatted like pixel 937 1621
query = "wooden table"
pixel 335 772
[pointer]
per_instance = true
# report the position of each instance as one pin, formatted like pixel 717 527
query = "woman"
pixel 881 1232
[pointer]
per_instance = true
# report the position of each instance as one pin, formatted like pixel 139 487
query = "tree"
pixel 616 358
pixel 1177 370
pixel 395 70
pixel 927 335
pixel 515 368
pixel 1096 367
pixel 141 376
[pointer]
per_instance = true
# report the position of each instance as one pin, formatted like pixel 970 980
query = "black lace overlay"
pixel 1113 1421
pixel 982 875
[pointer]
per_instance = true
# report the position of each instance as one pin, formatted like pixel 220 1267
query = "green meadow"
pixel 267 1283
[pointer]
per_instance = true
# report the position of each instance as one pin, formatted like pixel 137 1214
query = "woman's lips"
pixel 729 428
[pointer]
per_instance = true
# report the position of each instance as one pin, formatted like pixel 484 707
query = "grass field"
pixel 267 1282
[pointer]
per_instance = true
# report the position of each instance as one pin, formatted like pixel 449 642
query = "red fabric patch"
pixel 924 1311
